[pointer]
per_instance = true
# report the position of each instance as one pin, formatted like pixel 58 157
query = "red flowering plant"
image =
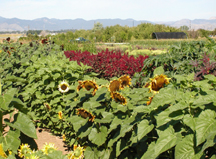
pixel 108 64
pixel 203 67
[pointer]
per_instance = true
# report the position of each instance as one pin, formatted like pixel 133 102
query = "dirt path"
pixel 46 137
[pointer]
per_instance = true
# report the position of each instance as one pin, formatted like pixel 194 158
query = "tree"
pixel 184 28
pixel 97 26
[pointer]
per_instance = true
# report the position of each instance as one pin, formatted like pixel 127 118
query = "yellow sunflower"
pixel 33 156
pixel 118 98
pixel 88 85
pixel 2 153
pixel 48 148
pixel 158 82
pixel 47 106
pixel 77 152
pixel 24 149
pixel 114 86
pixel 60 115
pixel 64 137
pixel 125 81
pixel 63 87
pixel 85 114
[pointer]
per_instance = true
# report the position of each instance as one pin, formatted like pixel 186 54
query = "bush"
pixel 108 64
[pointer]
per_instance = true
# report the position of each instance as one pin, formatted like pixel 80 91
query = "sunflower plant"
pixel 14 122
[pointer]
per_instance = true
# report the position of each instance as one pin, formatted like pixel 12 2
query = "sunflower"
pixel 48 148
pixel 85 114
pixel 88 85
pixel 150 100
pixel 44 41
pixel 77 152
pixel 158 82
pixel 60 115
pixel 24 149
pixel 125 81
pixel 114 86
pixel 47 106
pixel 63 87
pixel 33 156
pixel 64 137
pixel 8 39
pixel 2 153
pixel 118 98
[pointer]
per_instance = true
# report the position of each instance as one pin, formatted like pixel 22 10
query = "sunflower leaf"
pixel 144 128
pixel 23 123
pixel 98 137
pixel 159 71
pixel 90 153
pixel 205 124
pixel 7 98
pixel 11 140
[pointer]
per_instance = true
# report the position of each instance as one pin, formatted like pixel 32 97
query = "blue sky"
pixel 151 10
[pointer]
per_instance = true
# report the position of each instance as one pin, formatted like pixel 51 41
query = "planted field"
pixel 13 37
pixel 109 103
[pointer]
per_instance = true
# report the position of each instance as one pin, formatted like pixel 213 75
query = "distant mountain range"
pixel 15 24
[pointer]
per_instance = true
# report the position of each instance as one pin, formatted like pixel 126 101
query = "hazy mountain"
pixel 15 24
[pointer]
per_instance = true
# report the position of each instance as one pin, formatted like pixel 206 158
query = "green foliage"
pixel 20 124
pixel 177 122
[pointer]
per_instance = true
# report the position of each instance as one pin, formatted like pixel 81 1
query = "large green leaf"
pixel 77 122
pixel 23 123
pixel 144 128
pixel 189 121
pixel 98 137
pixel 205 99
pixel 167 139
pixel 185 148
pixel 7 98
pixel 166 96
pixel 164 143
pixel 107 117
pixel 126 126
pixel 210 140
pixel 159 70
pixel 150 153
pixel 171 113
pixel 120 146
pixel 205 124
pixel 12 141
pixel 90 153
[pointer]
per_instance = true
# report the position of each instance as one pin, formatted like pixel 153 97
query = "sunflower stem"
pixel 1 125
pixel 0 87
pixel 97 127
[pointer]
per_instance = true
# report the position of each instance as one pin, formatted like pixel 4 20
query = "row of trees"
pixel 119 33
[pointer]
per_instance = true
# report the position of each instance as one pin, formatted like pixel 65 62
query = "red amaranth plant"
pixel 203 67
pixel 108 63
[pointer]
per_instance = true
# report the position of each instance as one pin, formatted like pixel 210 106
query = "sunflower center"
pixel 89 86
pixel 64 87
pixel 77 153
pixel 50 150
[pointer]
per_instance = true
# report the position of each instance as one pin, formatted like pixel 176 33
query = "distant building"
pixel 43 33
pixel 169 35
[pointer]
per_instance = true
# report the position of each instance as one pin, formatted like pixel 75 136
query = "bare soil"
pixel 46 137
